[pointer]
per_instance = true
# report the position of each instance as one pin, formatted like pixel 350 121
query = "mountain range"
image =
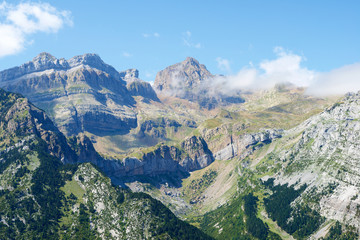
pixel 120 159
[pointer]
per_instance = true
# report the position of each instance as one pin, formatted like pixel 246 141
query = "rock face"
pixel 138 87
pixel 23 119
pixel 157 127
pixel 79 94
pixel 243 145
pixel 324 154
pixel 192 156
pixel 192 81
pixel 181 77
pixel 199 155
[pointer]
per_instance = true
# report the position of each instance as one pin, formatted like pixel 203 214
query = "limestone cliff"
pixel 79 94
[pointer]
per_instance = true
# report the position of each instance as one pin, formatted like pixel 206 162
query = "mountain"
pixel 42 198
pixel 305 183
pixel 266 164
pixel 182 76
pixel 192 81
pixel 82 94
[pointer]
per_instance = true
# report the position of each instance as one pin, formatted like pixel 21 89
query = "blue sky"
pixel 226 36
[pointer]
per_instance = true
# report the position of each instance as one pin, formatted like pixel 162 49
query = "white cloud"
pixel 126 54
pixel 287 68
pixel 11 40
pixel 147 35
pixel 223 64
pixel 22 20
pixel 338 81
pixel 188 41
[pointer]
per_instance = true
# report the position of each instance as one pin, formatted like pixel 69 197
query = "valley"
pixel 177 160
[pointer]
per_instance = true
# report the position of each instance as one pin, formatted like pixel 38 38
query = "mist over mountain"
pixel 192 81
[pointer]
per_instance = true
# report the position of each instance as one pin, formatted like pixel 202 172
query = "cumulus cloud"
pixel 287 68
pixel 187 40
pixel 22 20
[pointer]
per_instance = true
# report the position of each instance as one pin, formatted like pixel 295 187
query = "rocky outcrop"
pixel 163 160
pixel 141 88
pixel 130 74
pixel 138 87
pixel 198 154
pixel 23 119
pixel 171 160
pixel 79 94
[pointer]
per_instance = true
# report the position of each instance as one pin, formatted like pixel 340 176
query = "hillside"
pixel 43 198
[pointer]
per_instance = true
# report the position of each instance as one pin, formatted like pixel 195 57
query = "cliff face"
pixel 79 94
pixel 138 87
pixel 243 145
pixel 21 119
pixel 163 160
pixel 198 154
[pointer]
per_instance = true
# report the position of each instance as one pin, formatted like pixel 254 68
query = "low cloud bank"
pixel 286 68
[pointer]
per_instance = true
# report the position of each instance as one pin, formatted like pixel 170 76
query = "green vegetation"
pixel 254 225
pixel 212 123
pixel 339 232
pixel 303 220
pixel 197 186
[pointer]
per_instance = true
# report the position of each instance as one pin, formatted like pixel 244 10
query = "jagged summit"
pixel 44 56
pixel 88 94
pixel 192 61
pixel 45 61
pixel 188 73
pixel 93 60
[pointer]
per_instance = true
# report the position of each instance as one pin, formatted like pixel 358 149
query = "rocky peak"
pixel 188 73
pixel 45 61
pixel 44 57
pixel 93 60
pixel 130 74
pixel 190 61
pixel 90 59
